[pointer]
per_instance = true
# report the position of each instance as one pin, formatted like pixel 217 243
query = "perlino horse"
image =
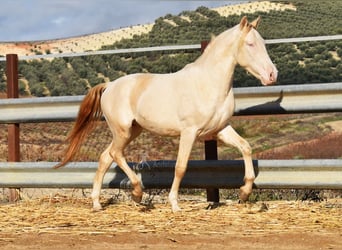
pixel 195 102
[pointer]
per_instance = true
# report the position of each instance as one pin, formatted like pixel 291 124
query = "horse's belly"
pixel 214 126
pixel 157 118
pixel 158 127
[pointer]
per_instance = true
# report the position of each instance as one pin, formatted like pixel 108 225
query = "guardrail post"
pixel 210 149
pixel 13 129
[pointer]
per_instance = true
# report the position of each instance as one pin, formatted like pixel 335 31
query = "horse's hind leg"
pixel 229 136
pixel 105 162
pixel 114 152
pixel 122 139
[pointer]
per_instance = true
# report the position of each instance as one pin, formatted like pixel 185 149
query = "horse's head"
pixel 252 54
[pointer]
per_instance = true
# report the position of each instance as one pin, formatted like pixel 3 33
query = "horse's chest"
pixel 219 116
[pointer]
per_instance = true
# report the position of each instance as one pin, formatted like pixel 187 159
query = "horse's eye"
pixel 250 44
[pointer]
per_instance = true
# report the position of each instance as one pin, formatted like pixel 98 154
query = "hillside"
pixel 309 62
pixel 90 42
pixel 94 42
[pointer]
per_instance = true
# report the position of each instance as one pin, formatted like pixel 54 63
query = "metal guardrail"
pixel 170 48
pixel 318 174
pixel 303 98
pixel 251 100
pixel 41 109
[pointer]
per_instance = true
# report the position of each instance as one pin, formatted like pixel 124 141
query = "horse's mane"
pixel 216 39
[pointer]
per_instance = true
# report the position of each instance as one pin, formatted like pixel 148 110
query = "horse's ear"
pixel 243 22
pixel 256 22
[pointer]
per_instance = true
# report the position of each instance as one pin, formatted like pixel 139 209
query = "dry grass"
pixel 325 147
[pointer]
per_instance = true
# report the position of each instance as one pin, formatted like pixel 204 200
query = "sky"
pixel 31 20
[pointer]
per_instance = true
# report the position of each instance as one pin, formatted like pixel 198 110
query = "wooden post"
pixel 210 149
pixel 13 129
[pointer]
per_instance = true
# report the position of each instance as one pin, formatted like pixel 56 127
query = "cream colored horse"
pixel 195 102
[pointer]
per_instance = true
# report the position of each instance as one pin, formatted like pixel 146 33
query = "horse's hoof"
pixel 243 195
pixel 175 208
pixel 136 198
pixel 97 209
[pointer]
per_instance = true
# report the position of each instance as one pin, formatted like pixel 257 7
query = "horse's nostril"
pixel 272 76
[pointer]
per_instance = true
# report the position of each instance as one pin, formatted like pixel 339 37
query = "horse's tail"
pixel 89 112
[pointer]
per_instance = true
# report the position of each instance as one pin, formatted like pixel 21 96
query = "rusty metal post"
pixel 210 149
pixel 13 129
pixel 204 44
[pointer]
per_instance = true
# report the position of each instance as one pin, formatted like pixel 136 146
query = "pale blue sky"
pixel 28 20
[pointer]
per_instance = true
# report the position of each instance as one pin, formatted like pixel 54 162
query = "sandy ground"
pixel 293 241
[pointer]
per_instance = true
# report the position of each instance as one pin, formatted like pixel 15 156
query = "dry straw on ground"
pixel 65 215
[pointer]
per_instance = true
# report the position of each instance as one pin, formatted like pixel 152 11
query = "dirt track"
pixel 60 223
pixel 293 241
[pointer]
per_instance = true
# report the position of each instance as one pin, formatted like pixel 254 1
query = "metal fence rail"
pixel 170 48
pixel 322 174
pixel 251 100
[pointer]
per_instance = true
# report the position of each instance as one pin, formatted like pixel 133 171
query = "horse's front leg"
pixel 229 136
pixel 187 139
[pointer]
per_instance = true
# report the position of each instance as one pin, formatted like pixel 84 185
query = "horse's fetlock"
pixel 136 184
pixel 249 179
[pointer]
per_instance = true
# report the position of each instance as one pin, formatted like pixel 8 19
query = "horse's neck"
pixel 218 60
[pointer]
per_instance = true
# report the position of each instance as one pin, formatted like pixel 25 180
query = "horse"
pixel 195 102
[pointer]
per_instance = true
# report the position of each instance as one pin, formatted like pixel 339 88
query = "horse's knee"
pixel 245 148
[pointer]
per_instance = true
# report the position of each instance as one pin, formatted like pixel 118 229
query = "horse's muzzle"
pixel 270 77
